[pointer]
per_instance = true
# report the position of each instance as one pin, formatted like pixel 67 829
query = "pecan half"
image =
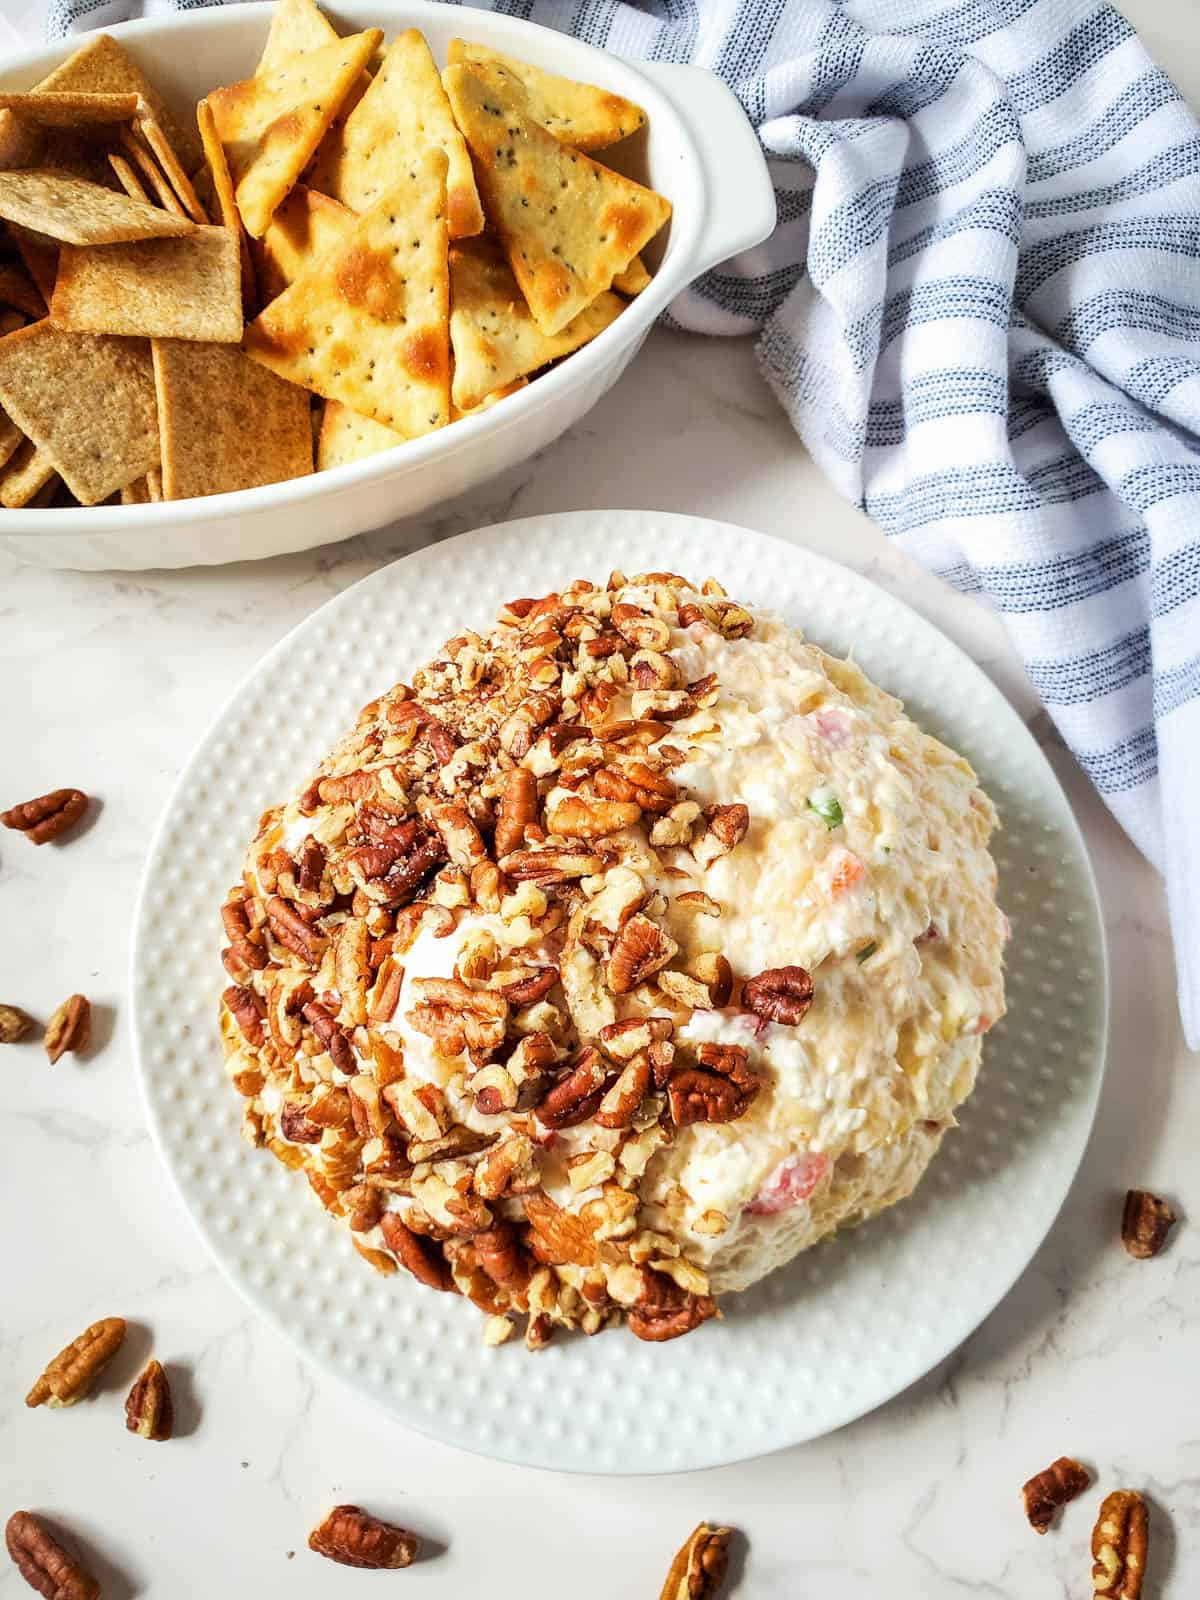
pixel 780 994
pixel 295 1126
pixel 148 1408
pixel 665 1311
pixel 331 1036
pixel 698 1571
pixel 354 1538
pixel 46 817
pixel 1145 1223
pixel 518 806
pixel 247 1010
pixel 640 950
pixel 292 932
pixel 575 1097
pixel 43 1562
pixel 416 1254
pixel 459 1019
pixel 558 1237
pixel 14 1024
pixel 617 1108
pixel 75 1369
pixel 70 1028
pixel 499 1252
pixel 551 866
pixel 1046 1491
pixel 391 874
pixel 719 1090
pixel 1119 1542
pixel 576 817
pixel 728 825
pixel 534 986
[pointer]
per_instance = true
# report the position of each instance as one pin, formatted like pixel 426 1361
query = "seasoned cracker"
pixel 304 227
pixel 578 114
pixel 87 403
pixel 103 65
pixel 271 124
pixel 226 201
pixel 568 225
pixel 298 27
pixel 226 423
pixel 367 324
pixel 347 436
pixel 633 279
pixel 187 288
pixel 404 109
pixel 493 335
pixel 77 212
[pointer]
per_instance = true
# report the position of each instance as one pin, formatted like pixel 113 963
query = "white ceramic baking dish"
pixel 698 149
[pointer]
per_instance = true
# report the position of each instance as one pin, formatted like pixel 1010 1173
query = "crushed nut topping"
pixel 521 799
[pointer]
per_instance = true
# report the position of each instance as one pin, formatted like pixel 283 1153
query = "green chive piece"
pixel 867 951
pixel 828 807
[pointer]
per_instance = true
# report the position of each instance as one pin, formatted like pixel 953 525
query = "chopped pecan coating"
pixel 418 1255
pixel 698 1570
pixel 354 1538
pixel 331 1036
pixel 518 808
pixel 639 951
pixel 459 1020
pixel 499 1252
pixel 1046 1491
pixel 43 1563
pixel 1119 1543
pixel 293 932
pixel 46 817
pixel 719 1090
pixel 576 1096
pixel 1145 1223
pixel 780 994
pixel 665 1311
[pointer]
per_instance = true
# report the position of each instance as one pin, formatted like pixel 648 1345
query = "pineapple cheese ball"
pixel 628 951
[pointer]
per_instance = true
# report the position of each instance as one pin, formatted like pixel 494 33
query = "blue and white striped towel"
pixel 981 309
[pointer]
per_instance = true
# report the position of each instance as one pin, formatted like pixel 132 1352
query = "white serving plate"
pixel 699 150
pixel 843 1328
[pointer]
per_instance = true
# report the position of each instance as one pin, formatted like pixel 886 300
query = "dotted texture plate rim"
pixel 846 1326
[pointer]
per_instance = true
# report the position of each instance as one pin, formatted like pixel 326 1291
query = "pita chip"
pixel 634 279
pixel 17 289
pixel 86 401
pixel 404 109
pixel 297 28
pixel 160 147
pixel 39 254
pixel 367 323
pixel 226 423
pixel 567 224
pixel 21 142
pixel 346 436
pixel 150 173
pixel 136 493
pixel 10 438
pixel 70 110
pixel 225 200
pixel 303 228
pixel 77 212
pixel 188 288
pixel 271 124
pixel 578 114
pixel 103 66
pixel 494 338
pixel 28 472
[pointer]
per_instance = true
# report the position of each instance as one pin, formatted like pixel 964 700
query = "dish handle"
pixel 740 202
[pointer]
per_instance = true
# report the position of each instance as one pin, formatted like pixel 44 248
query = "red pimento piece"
pixel 792 1181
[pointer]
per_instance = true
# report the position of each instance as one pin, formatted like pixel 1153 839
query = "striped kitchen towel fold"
pixel 981 310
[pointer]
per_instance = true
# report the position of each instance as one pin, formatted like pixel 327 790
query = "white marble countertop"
pixel 107 683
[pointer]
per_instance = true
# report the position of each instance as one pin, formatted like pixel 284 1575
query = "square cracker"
pixel 39 254
pixel 18 289
pixel 10 437
pixel 150 173
pixel 70 110
pixel 303 228
pixel 87 403
pixel 270 125
pixel 225 201
pixel 225 422
pixel 149 129
pixel 77 212
pixel 404 109
pixel 104 66
pixel 188 288
pixel 567 224
pixel 494 338
pixel 578 114
pixel 367 324
pixel 25 476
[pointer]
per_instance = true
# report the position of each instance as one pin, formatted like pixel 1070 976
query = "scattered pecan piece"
pixel 575 1097
pixel 70 1028
pixel 665 1311
pixel 1119 1542
pixel 14 1024
pixel 148 1407
pixel 74 1369
pixel 354 1538
pixel 1046 1491
pixel 418 1255
pixel 719 1090
pixel 780 994
pixel 1145 1223
pixel 46 817
pixel 43 1562
pixel 640 950
pixel 698 1571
